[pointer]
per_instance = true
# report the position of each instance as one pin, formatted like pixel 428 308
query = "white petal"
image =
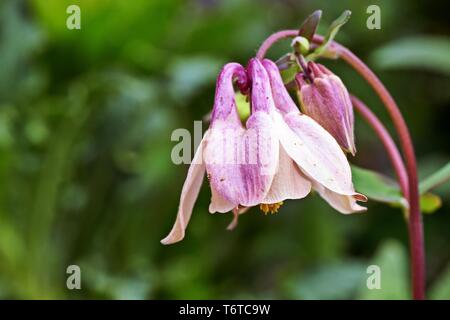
pixel 189 195
pixel 288 183
pixel 316 152
pixel 342 203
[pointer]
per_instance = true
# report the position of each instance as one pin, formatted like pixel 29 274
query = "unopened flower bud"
pixel 325 99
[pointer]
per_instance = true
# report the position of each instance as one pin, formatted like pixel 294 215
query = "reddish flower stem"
pixel 415 227
pixel 275 37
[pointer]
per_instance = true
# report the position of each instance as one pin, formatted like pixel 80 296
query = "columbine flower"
pixel 245 165
pixel 314 150
pixel 278 155
pixel 327 101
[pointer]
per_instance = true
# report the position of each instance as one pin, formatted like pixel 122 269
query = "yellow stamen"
pixel 272 208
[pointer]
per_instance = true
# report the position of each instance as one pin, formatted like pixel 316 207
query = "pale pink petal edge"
pixel 189 194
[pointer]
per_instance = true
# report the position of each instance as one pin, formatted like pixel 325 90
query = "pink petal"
pixel 261 137
pixel 241 163
pixel 288 183
pixel 261 141
pixel 262 99
pixel 224 101
pixel 189 195
pixel 283 101
pixel 222 154
pixel 223 147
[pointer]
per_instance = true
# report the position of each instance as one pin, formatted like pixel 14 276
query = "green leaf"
pixel 332 31
pixel 432 53
pixel 436 179
pixel 337 24
pixel 380 188
pixel 392 260
pixel 377 186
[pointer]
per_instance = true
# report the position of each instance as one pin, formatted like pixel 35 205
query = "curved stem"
pixel 388 143
pixel 272 39
pixel 415 227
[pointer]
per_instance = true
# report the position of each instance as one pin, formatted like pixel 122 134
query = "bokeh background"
pixel 86 176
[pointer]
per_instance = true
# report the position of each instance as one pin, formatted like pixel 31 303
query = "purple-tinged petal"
pixel 261 144
pixel 224 102
pixel 251 154
pixel 189 195
pixel 241 163
pixel 281 97
pixel 261 91
pixel 261 138
pixel 223 149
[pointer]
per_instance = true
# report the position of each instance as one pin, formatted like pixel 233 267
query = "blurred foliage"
pixel 393 262
pixel 441 290
pixel 427 52
pixel 85 172
pixel 378 187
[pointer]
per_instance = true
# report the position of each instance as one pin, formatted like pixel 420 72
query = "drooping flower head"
pixel 278 154
pixel 324 98
pixel 243 164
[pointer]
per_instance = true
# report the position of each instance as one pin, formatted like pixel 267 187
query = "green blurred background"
pixel 86 176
